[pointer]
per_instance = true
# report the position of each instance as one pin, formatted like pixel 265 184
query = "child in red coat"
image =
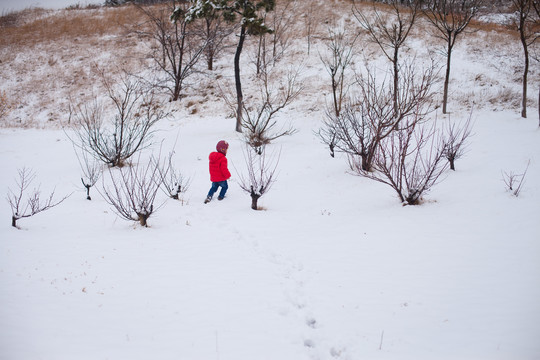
pixel 219 173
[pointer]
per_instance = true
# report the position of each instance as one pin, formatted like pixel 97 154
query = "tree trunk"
pixel 142 219
pixel 254 199
pixel 13 221
pixel 396 81
pixel 526 70
pixel 88 192
pixel 452 165
pixel 447 77
pixel 239 96
pixel 525 75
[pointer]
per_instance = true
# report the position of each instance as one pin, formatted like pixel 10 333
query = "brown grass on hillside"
pixel 32 26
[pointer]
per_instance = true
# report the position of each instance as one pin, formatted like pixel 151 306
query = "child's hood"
pixel 216 156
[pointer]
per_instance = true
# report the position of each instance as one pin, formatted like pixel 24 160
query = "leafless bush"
pixel 24 204
pixel 133 189
pixel 409 160
pixel 514 182
pixel 173 182
pixel 456 137
pixel 260 175
pixel 259 123
pixel 370 117
pixel 136 113
pixel 91 171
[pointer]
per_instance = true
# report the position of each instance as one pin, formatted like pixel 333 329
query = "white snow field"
pixel 333 267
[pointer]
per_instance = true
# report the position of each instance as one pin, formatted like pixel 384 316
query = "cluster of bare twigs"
pixel 24 203
pixel 261 174
pixel 130 130
pixel 514 182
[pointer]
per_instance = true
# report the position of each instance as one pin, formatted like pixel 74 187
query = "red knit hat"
pixel 222 146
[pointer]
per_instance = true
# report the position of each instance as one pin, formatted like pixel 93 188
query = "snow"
pixel 334 267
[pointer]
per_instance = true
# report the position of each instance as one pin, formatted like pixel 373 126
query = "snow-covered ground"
pixel 332 268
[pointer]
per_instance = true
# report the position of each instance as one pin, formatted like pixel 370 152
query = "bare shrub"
pixel 260 175
pixel 133 190
pixel 173 182
pixel 371 116
pixel 24 203
pixel 410 160
pixel 259 124
pixel 113 142
pixel 456 138
pixel 514 182
pixel 91 171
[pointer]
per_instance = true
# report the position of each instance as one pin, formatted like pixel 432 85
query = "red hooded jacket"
pixel 218 167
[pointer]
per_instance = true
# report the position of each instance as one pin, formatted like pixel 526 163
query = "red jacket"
pixel 218 167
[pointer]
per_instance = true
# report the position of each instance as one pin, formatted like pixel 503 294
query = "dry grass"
pixel 33 26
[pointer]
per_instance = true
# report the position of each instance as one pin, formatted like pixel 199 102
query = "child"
pixel 219 173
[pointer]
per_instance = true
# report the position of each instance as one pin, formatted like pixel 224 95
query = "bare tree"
pixel 310 23
pixel 91 171
pixel 410 160
pixel 260 125
pixel 273 46
pixel 173 182
pixel 450 18
pixel 514 182
pixel 215 31
pixel 337 62
pixel 260 175
pixel 133 189
pixel 251 23
pixel 527 24
pixel 24 204
pixel 371 116
pixel 456 137
pixel 389 30
pixel 136 113
pixel 176 49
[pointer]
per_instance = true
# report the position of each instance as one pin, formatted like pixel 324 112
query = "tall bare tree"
pixel 528 26
pixel 389 30
pixel 175 50
pixel 337 61
pixel 251 23
pixel 450 18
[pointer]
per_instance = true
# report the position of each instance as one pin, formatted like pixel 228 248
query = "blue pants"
pixel 215 185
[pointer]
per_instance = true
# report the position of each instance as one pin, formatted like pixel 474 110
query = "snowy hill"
pixel 333 267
